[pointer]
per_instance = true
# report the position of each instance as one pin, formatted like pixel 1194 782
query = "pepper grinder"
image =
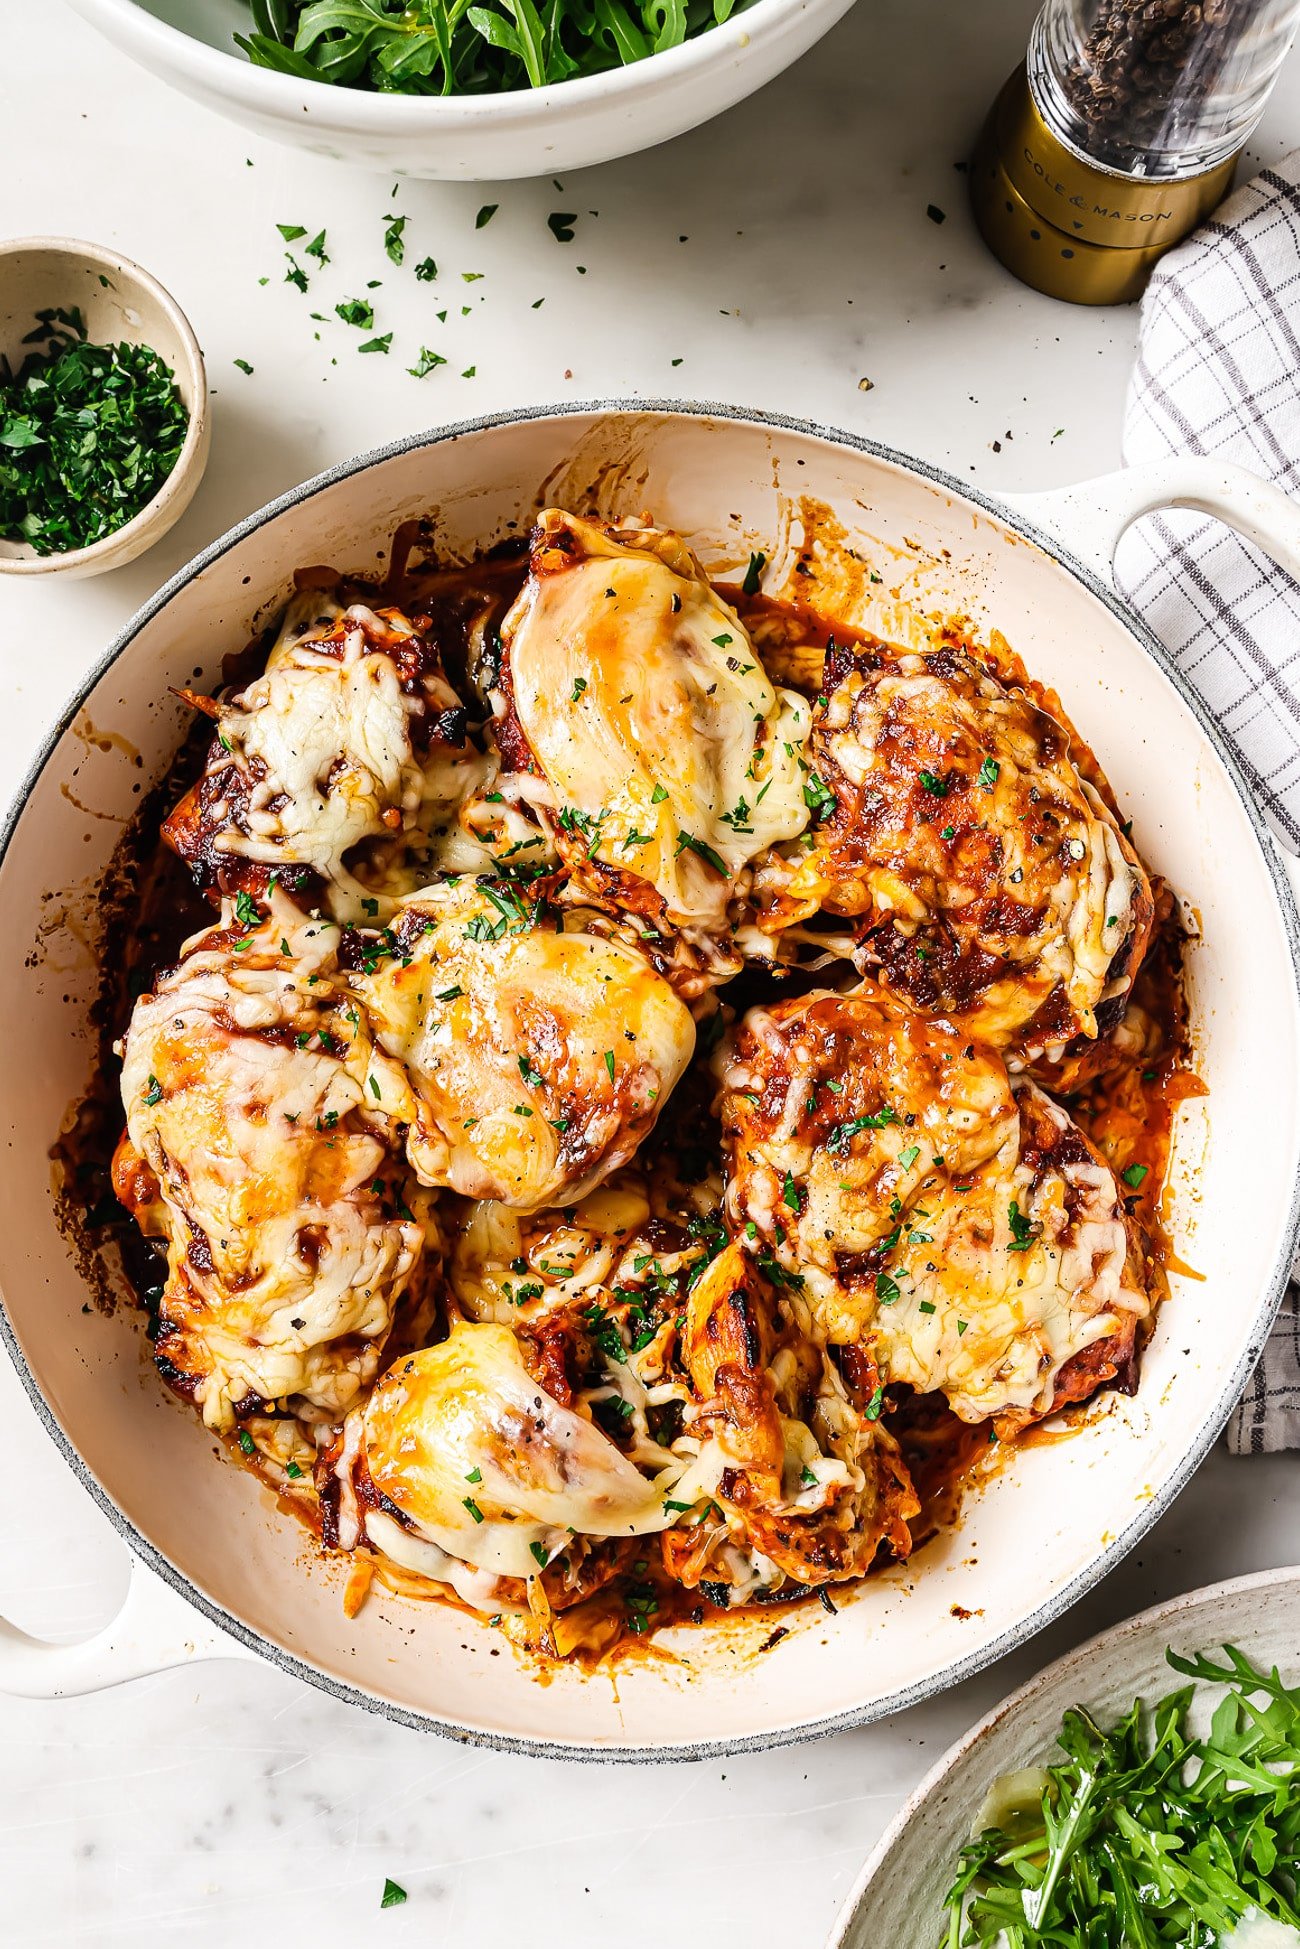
pixel 1119 134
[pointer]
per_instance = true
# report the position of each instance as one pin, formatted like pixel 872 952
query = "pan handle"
pixel 154 1631
pixel 1089 519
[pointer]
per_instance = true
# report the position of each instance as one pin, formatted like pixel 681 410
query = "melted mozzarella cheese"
pixel 324 738
pixel 540 1050
pixel 665 748
pixel 957 1227
pixel 835 1108
pixel 483 1462
pixel 1021 896
pixel 1003 1278
pixel 253 1093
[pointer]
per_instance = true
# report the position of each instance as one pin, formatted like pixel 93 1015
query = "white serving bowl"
pixel 899 1898
pixel 118 301
pixel 467 138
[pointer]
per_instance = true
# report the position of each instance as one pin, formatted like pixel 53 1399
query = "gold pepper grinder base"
pixel 1066 225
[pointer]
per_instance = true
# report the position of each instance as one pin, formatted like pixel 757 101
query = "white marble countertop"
pixel 782 255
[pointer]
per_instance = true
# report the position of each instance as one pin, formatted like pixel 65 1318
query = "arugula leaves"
pixel 445 47
pixel 1147 1835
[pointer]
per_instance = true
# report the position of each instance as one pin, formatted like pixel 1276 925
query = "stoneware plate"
pixel 1056 1516
pixel 899 1899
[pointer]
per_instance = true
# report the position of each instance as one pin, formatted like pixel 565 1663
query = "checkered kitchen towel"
pixel 1218 372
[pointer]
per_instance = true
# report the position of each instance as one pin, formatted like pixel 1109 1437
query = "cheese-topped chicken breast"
pixel 805 1489
pixel 989 880
pixel 351 739
pixel 640 726
pixel 540 1044
pixel 958 1229
pixel 471 1454
pixel 260 1144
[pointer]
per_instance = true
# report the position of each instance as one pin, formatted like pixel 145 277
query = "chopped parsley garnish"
pixel 449 994
pixel 757 563
pixel 468 1502
pixel 579 685
pixel 533 1077
pixel 987 776
pixel 686 841
pixel 872 1410
pixel 888 1290
pixel 88 435
pixel 244 366
pixel 818 796
pixel 658 795
pixel 382 344
pixel 394 1894
pixel 374 1087
pixel 609 1063
pixel 246 1442
pixel 791 1195
pixel 426 270
pixel 291 231
pixel 426 363
pixel 356 311
pixel 393 238
pixel 486 215
pixel 843 1133
pixel 293 1472
pixel 936 787
pixel 539 1553
pixel 777 1273
pixel 807 1480
pixel 1134 1175
pixel 908 1157
pixel 475 1475
pixel 245 909
pixel 154 1092
pixel 1023 1233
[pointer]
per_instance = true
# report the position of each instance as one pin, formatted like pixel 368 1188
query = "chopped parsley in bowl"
pixel 88 434
pixel 103 409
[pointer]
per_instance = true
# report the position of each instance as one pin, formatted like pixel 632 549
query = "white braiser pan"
pixel 217 1569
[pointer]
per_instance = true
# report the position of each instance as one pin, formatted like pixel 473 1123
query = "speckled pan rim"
pixel 1061 1600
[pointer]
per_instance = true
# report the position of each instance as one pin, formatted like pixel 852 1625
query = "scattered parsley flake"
pixel 356 311
pixel 393 238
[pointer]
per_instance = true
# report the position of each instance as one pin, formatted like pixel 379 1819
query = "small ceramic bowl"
pixel 899 1898
pixel 118 301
